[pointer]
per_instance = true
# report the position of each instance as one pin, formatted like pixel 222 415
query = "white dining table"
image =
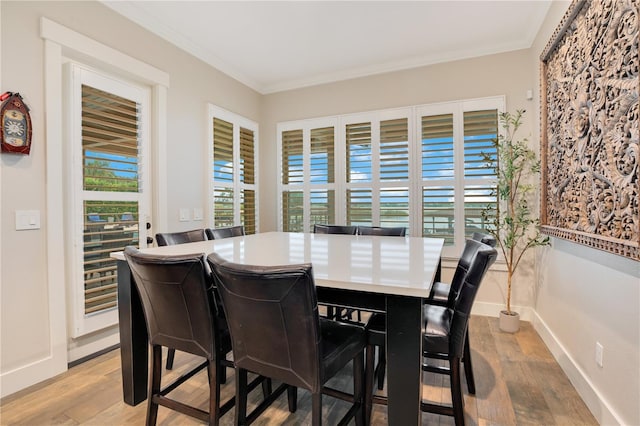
pixel 379 274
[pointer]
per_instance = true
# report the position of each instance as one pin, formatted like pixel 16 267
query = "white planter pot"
pixel 509 323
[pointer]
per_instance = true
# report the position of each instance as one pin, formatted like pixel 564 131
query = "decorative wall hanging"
pixel 15 131
pixel 590 154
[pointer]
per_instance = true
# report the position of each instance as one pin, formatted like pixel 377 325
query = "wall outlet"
pixel 599 354
pixel 185 215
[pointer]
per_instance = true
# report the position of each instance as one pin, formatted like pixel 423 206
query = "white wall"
pixel 586 296
pixel 29 336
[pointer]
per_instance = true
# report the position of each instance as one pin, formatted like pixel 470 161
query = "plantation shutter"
pixel 394 149
pixel 322 172
pixel 110 158
pixel 322 156
pixel 437 147
pixel 358 138
pixel 438 165
pixel 234 193
pixel 480 132
pixel 292 158
pixel 223 170
pixel 247 177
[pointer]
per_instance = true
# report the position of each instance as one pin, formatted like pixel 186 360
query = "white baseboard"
pixel 30 374
pixel 487 309
pixel 601 410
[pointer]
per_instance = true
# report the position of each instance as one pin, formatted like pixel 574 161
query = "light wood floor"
pixel 518 383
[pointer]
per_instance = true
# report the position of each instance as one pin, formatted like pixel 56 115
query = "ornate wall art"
pixel 590 154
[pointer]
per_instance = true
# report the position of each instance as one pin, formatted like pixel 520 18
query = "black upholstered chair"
pixel 443 294
pixel 276 332
pixel 180 313
pixel 347 313
pixel 172 238
pixel 382 231
pixel 334 312
pixel 445 335
pixel 220 233
pixel 334 229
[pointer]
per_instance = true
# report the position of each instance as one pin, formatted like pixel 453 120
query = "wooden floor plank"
pixel 517 383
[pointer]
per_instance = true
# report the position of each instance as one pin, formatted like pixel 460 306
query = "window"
pixel 307 183
pixel 423 167
pixel 377 168
pixel 233 192
pixel 109 189
pixel 457 184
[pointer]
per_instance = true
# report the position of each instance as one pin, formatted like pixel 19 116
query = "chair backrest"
pixel 487 239
pixel 272 314
pixel 220 233
pixel 471 246
pixel 482 260
pixel 334 229
pixel 173 238
pixel 176 300
pixel 382 231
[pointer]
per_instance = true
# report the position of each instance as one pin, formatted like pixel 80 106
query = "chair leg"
pixel 292 398
pixel 316 409
pixel 267 388
pixel 154 384
pixel 171 353
pixel 214 393
pixel 468 366
pixel 382 366
pixel 368 381
pixel 241 397
pixel 222 370
pixel 358 387
pixel 456 392
pixel 330 312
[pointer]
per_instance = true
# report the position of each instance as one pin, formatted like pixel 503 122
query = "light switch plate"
pixel 27 219
pixel 185 215
pixel 197 213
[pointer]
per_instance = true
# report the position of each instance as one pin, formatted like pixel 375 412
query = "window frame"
pixel 415 181
pixel 78 74
pixel 306 186
pixel 457 109
pixel 238 121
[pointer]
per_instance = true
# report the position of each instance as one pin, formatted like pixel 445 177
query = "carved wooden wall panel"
pixel 590 153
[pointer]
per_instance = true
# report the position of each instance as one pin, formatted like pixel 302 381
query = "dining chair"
pixel 335 312
pixel 272 312
pixel 170 239
pixel 228 232
pixel 444 294
pixel 400 231
pixel 445 336
pixel 347 313
pixel 180 314
pixel 334 229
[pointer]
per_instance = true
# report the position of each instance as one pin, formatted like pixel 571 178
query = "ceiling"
pixel 273 46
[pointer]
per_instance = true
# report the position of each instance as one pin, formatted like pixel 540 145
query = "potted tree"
pixel 510 220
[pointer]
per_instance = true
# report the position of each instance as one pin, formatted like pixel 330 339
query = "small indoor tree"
pixel 510 220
